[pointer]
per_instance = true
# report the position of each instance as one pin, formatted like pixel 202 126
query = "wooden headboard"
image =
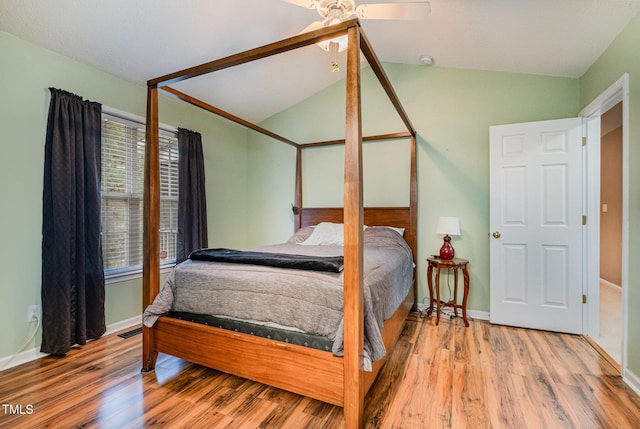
pixel 399 217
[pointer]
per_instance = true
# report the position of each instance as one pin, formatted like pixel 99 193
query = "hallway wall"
pixel 611 196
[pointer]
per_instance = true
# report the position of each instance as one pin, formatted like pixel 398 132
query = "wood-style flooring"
pixel 445 376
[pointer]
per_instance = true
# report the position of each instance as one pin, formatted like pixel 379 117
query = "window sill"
pixel 132 275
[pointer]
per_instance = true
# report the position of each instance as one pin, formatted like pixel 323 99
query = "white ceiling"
pixel 138 40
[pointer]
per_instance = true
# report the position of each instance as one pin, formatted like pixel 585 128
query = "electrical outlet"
pixel 34 312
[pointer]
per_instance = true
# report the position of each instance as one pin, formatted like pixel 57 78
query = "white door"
pixel 536 225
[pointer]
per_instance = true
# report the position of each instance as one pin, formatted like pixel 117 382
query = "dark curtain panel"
pixel 192 204
pixel 73 290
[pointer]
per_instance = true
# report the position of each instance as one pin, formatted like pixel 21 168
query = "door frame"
pixel 618 91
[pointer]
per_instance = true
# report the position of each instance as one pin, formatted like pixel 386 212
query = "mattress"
pixel 309 301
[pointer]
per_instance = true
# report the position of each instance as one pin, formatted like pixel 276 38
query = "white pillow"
pixel 326 233
pixel 398 230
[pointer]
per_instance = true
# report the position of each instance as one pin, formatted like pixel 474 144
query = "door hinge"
pixel 584 141
pixel 584 298
pixel 584 220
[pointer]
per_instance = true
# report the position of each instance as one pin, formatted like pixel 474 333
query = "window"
pixel 123 147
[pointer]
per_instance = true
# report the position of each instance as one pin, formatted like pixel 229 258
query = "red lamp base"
pixel 446 251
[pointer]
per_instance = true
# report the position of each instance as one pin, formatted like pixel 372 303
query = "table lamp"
pixel 447 226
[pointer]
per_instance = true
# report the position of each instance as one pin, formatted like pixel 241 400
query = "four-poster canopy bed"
pixel 310 372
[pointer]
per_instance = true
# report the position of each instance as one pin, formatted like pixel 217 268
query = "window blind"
pixel 122 187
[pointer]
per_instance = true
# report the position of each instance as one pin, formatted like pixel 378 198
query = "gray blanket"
pixel 311 301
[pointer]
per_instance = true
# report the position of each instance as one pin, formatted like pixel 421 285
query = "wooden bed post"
pixel 413 209
pixel 297 204
pixel 353 253
pixel 151 237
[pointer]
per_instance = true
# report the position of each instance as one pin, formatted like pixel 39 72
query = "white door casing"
pixel 617 92
pixel 536 225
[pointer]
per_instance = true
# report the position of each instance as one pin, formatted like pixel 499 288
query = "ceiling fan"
pixel 335 11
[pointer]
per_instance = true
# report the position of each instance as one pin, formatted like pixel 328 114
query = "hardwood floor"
pixel 445 376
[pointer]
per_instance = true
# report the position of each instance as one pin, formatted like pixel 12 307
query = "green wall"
pixel 452 111
pixel 26 73
pixel 622 57
pixel 250 178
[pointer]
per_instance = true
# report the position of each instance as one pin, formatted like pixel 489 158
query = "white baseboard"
pixel 20 358
pixel 481 315
pixel 124 324
pixel 608 283
pixel 632 381
pixel 473 314
pixel 34 353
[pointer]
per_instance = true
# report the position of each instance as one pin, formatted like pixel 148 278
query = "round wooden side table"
pixel 455 264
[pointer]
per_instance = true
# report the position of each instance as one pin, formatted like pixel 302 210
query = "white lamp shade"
pixel 448 226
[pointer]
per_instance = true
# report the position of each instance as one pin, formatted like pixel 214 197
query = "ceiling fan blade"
pixel 309 4
pixel 408 11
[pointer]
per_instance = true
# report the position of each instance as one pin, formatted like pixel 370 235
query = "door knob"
pixel 496 234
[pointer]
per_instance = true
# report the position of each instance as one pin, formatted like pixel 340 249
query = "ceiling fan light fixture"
pixel 341 9
pixel 325 45
pixel 341 41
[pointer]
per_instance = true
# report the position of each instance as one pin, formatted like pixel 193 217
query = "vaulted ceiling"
pixel 143 39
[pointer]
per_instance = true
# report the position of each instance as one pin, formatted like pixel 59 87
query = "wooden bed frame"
pixel 313 373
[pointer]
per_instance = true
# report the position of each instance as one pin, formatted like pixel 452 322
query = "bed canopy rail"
pixel 392 136
pixel 299 41
pixel 233 118
pixel 355 382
